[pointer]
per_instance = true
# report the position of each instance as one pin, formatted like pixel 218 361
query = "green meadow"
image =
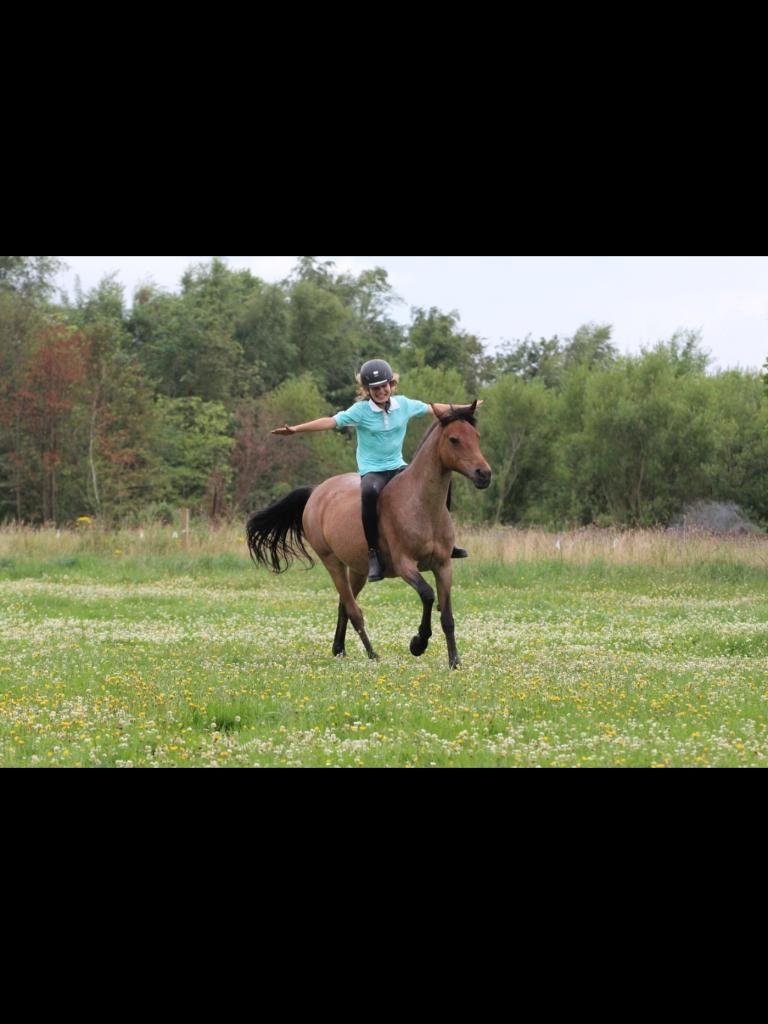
pixel 117 651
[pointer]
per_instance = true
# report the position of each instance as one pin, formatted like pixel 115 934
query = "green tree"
pixel 435 340
pixel 370 297
pixel 685 353
pixel 213 297
pixel 647 437
pixel 326 336
pixel 117 417
pixel 264 333
pixel 311 269
pixel 550 359
pixel 516 430
pixel 531 360
pixel 739 462
pixel 157 332
pixel 341 320
pixel 189 343
pixel 195 445
pixel 30 276
pixel 590 346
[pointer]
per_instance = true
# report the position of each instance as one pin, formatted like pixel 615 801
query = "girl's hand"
pixel 285 430
pixel 440 410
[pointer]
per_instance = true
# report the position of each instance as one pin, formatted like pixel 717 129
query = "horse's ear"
pixel 473 410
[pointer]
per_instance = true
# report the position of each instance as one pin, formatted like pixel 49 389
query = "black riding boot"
pixel 375 572
pixel 372 486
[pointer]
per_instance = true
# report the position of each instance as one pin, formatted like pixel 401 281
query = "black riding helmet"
pixel 376 372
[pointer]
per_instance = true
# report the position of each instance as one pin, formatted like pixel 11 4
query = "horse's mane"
pixel 457 414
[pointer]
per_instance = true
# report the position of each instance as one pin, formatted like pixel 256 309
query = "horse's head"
pixel 459 446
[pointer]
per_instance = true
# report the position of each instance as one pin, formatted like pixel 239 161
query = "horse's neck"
pixel 430 478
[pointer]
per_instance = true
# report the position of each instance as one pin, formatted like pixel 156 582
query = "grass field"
pixel 607 650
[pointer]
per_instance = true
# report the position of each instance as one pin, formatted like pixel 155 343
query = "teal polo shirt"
pixel 380 435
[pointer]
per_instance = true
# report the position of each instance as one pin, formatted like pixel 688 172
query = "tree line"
pixel 124 412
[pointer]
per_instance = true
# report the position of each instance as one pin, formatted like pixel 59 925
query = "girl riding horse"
pixel 417 533
pixel 381 420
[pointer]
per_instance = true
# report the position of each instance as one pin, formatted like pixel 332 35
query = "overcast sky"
pixel 501 298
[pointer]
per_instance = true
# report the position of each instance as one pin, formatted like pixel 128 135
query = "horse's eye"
pixel 454 441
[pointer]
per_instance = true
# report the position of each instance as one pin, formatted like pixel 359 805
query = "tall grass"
pixel 651 548
pixel 203 539
pixel 502 546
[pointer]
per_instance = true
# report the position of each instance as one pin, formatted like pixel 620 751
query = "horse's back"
pixel 334 490
pixel 333 520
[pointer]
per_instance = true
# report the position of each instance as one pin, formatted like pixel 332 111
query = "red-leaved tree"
pixel 49 389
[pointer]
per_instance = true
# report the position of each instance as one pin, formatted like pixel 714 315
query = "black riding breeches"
pixel 372 486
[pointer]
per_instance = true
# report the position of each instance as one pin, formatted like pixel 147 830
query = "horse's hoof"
pixel 418 646
pixel 339 654
pixel 454 664
pixel 373 656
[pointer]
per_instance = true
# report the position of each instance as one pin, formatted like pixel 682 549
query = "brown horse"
pixel 415 529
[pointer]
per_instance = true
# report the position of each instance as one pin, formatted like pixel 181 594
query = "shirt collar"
pixel 393 405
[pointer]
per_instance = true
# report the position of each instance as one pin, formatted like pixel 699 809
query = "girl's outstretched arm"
pixel 326 423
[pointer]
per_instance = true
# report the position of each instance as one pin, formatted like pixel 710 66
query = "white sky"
pixel 500 298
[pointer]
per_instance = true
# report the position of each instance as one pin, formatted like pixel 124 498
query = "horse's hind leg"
pixel 349 609
pixel 339 642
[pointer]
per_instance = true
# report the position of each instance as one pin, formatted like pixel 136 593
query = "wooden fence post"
pixel 185 528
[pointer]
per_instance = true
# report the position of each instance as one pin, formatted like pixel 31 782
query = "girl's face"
pixel 382 393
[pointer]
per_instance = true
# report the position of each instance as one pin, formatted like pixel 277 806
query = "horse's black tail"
pixel 275 535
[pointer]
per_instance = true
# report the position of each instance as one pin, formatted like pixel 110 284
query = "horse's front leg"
pixel 414 579
pixel 444 579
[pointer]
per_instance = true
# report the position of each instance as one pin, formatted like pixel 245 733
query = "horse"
pixel 415 529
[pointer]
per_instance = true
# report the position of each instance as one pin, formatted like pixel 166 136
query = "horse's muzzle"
pixel 482 479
